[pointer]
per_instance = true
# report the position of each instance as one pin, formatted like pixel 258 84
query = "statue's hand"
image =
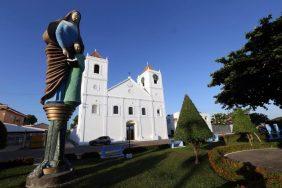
pixel 65 52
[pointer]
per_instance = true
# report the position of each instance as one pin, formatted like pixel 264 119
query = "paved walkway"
pixel 267 158
pixel 37 154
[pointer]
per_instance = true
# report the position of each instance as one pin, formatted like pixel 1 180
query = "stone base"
pixel 50 180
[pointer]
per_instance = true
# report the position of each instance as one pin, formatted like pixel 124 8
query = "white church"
pixel 130 110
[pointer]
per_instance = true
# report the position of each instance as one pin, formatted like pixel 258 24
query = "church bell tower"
pixel 93 98
pixel 151 81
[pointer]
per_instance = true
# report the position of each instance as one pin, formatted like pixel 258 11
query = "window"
pixel 155 78
pixel 158 112
pixel 130 111
pixel 143 81
pixel 94 109
pixel 143 111
pixel 96 69
pixel 115 110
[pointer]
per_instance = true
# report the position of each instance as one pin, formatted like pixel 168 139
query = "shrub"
pixel 231 169
pixel 191 127
pixel 3 136
pixel 240 139
pixel 16 162
pixel 242 124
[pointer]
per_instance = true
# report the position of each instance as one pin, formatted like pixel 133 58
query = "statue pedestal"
pixel 55 170
pixel 50 180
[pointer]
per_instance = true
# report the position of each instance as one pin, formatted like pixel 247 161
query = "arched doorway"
pixel 130 130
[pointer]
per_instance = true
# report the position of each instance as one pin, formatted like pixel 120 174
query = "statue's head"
pixel 73 16
pixel 77 47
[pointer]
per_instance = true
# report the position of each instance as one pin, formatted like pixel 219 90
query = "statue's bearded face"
pixel 75 17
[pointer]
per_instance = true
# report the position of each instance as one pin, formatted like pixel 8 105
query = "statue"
pixel 65 64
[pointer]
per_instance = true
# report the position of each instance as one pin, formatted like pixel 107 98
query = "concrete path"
pixel 38 154
pixel 268 158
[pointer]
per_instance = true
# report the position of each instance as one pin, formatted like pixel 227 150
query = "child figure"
pixel 73 86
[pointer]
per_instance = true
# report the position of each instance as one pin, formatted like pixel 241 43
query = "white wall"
pixel 175 116
pixel 124 95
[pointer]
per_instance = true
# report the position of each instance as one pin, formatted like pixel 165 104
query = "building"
pixel 25 136
pixel 9 115
pixel 222 129
pixel 129 110
pixel 42 126
pixel 173 118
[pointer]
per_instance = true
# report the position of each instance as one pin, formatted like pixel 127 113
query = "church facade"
pixel 130 110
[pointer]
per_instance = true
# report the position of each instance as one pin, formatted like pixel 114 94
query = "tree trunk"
pixel 250 139
pixel 257 137
pixel 224 138
pixel 196 151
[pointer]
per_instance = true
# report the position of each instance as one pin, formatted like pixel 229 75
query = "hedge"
pixel 230 169
pixel 16 162
pixel 241 139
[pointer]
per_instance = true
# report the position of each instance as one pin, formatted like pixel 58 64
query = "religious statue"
pixel 65 64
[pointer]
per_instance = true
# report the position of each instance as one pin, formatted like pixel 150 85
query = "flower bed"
pixel 236 171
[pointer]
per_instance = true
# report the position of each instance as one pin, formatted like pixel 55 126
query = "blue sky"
pixel 182 38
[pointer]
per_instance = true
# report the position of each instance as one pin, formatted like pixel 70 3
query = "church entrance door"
pixel 130 130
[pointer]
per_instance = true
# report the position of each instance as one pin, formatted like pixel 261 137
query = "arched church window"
pixel 143 111
pixel 115 110
pixel 158 112
pixel 143 81
pixel 94 109
pixel 130 110
pixel 155 78
pixel 96 69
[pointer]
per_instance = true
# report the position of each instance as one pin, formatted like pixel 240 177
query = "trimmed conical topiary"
pixel 191 128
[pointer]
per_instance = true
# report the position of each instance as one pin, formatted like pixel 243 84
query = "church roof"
pixel 148 67
pixel 122 90
pixel 119 84
pixel 6 107
pixel 96 54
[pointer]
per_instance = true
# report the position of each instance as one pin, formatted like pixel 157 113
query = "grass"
pixel 152 168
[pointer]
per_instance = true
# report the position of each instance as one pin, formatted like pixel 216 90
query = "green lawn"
pixel 153 168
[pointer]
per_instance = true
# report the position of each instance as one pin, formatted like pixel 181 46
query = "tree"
pixel 30 119
pixel 221 119
pixel 74 122
pixel 251 76
pixel 242 124
pixel 3 136
pixel 258 118
pixel 191 128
